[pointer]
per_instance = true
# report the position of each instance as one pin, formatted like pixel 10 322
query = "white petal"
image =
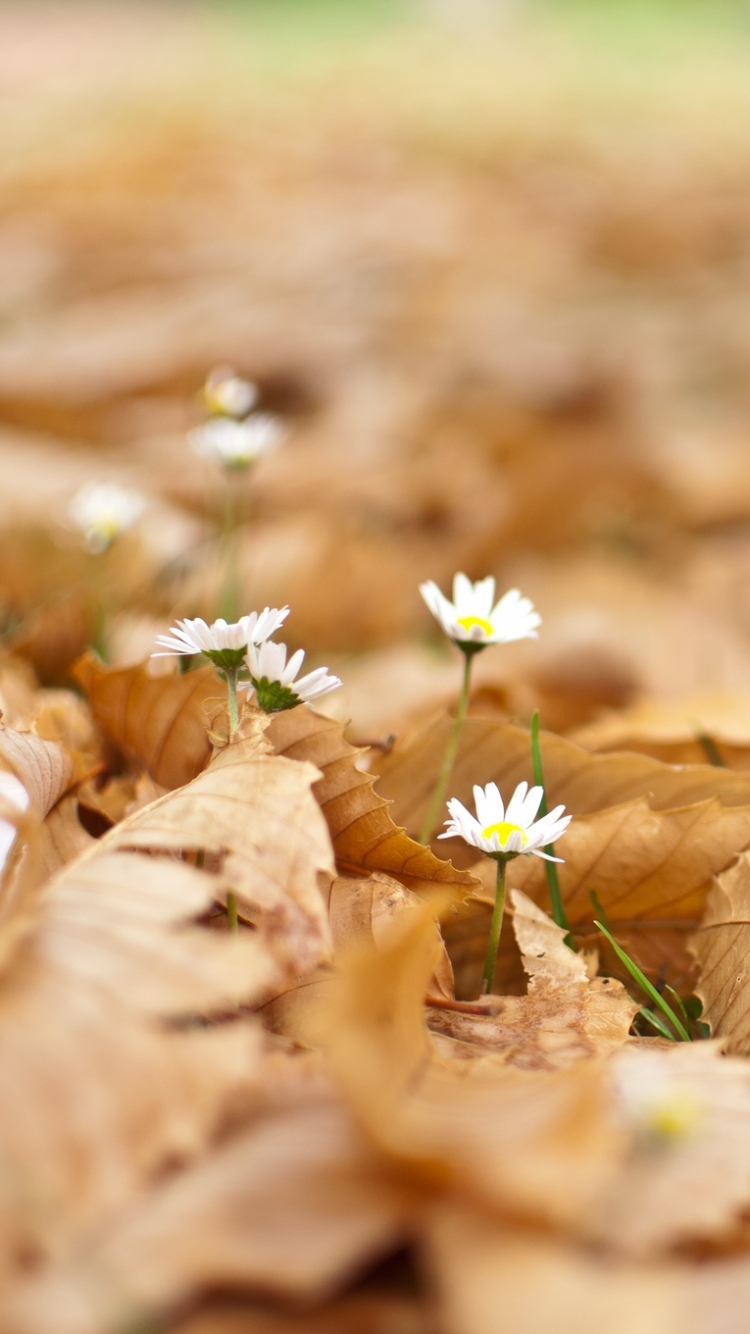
pixel 516 806
pixel 463 595
pixel 293 666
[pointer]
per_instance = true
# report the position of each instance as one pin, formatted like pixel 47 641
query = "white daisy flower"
pixel 237 444
pixel 226 392
pixel 507 833
pixel 102 511
pixel 225 645
pixel 472 621
pixel 12 792
pixel 273 678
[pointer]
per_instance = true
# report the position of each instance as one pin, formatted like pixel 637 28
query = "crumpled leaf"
pixel 721 948
pixel 565 1017
pixel 647 838
pixel 157 720
pixel 45 768
pixel 291 1206
pixel 364 836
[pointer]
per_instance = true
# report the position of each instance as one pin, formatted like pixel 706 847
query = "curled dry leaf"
pixel 253 817
pixel 565 1017
pixel 647 838
pixel 292 1206
pixel 539 1143
pixel 96 1094
pixel 362 912
pixel 159 721
pixel 364 836
pixel 721 948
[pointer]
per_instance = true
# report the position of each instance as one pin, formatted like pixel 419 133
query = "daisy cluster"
pixel 245 645
pixel 235 435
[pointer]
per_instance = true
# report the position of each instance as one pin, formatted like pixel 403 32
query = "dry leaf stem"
pixel 496 927
pixel 449 759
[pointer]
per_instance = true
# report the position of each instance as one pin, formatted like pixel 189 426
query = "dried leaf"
pixel 696 730
pixel 721 948
pixel 253 817
pixel 157 720
pixel 364 836
pixel 566 1017
pixel 292 1206
pixel 44 767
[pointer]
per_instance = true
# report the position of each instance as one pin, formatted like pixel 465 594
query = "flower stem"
pixel 496 927
pixel 232 915
pixel 559 915
pixel 451 750
pixel 234 716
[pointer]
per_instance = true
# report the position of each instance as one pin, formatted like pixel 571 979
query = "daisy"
pixel 472 622
pixel 504 834
pixel 507 833
pixel 226 393
pixel 237 444
pixel 102 511
pixel 273 678
pixel 225 645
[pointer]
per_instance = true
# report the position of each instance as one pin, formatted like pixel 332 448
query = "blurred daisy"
pixel 472 621
pixel 14 794
pixel 102 511
pixel 237 444
pixel 226 393
pixel 507 833
pixel 273 678
pixel 224 644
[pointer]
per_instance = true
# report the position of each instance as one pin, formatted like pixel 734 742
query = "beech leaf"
pixel 722 950
pixel 160 721
pixel 364 836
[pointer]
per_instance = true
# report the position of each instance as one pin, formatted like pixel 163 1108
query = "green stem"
pixel 449 759
pixel 232 914
pixel 234 715
pixel 553 880
pixel 493 944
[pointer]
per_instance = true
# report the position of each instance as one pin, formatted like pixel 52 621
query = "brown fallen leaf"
pixel 495 1279
pixel 253 817
pixel 565 1017
pixel 157 720
pixel 359 1313
pixel 538 1143
pixel 292 1206
pixel 647 838
pixel 365 839
pixel 696 730
pixel 721 950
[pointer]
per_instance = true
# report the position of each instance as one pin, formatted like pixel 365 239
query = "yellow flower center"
pixel 673 1116
pixel 504 831
pixel 467 623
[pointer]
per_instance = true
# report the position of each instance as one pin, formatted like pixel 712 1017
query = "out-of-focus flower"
pixel 12 793
pixel 507 833
pixel 656 1104
pixel 226 393
pixel 224 644
pixel 273 678
pixel 237 444
pixel 102 511
pixel 472 621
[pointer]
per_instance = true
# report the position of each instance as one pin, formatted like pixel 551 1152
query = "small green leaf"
pixel 273 697
pixel 694 1007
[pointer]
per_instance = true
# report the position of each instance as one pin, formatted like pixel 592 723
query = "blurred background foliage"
pixel 490 262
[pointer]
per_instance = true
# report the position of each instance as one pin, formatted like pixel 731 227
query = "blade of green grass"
pixel 558 911
pixel 657 1022
pixel 644 983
